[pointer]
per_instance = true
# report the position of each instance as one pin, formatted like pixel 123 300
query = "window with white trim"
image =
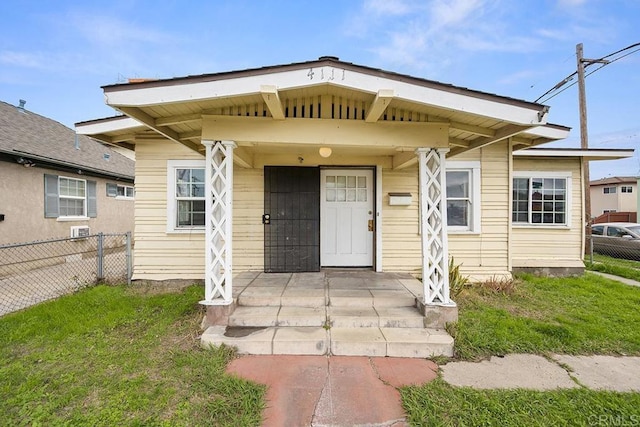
pixel 626 189
pixel 69 199
pixel 541 198
pixel 120 191
pixel 185 195
pixel 609 190
pixel 463 196
pixel 73 196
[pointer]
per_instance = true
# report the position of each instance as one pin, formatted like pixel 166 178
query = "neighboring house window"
pixel 185 195
pixel 120 191
pixel 626 189
pixel 541 198
pixel 609 190
pixel 608 210
pixel 69 198
pixel 463 196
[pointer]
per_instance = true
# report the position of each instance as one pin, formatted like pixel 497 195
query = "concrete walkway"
pixel 333 391
pixel 624 280
pixel 363 391
pixel 534 372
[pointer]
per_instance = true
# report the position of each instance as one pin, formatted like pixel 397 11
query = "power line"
pixel 602 61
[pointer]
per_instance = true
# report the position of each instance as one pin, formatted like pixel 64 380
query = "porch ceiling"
pixel 174 109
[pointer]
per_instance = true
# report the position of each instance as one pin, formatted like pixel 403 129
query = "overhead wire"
pixel 572 75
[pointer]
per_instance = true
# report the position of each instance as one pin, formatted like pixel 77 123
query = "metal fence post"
pixel 129 258
pixel 100 272
pixel 591 250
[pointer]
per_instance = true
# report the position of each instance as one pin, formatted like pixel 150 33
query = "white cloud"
pixel 445 14
pixel 571 3
pixel 106 30
pixel 22 59
pixel 387 7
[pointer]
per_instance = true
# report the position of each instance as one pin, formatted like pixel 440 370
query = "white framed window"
pixel 185 196
pixel 120 191
pixel 626 189
pixel 463 196
pixel 541 199
pixel 73 196
pixel 69 199
pixel 609 190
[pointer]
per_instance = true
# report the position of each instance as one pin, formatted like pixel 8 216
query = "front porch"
pixel 339 312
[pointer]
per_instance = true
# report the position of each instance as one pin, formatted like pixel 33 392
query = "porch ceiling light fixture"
pixel 325 151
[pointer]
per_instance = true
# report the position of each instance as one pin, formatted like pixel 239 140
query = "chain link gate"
pixel 38 271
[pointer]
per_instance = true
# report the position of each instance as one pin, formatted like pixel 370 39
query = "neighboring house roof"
pixel 43 141
pixel 174 108
pixel 615 180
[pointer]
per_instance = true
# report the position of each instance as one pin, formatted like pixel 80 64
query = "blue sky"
pixel 57 54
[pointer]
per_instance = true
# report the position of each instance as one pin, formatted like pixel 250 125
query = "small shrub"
pixel 457 282
pixel 499 285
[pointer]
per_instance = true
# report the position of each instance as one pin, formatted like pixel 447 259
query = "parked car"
pixel 617 239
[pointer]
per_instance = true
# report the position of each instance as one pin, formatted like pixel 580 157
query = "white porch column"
pixel 218 222
pixel 433 217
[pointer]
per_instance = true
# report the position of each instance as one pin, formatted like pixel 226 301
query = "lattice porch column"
pixel 218 222
pixel 433 217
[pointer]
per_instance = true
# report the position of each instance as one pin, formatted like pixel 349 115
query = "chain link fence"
pixel 38 271
pixel 615 241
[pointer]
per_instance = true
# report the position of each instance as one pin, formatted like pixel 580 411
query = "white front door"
pixel 346 218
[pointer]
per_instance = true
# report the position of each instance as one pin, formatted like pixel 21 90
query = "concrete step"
pixel 337 317
pixel 271 340
pixel 295 297
pixel 248 316
pixel 391 342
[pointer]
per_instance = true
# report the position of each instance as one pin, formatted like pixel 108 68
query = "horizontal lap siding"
pixel 486 254
pixel 481 255
pixel 248 231
pixel 401 244
pixel 547 247
pixel 158 255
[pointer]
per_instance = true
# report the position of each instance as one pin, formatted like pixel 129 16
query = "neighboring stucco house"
pixel 614 194
pixel 324 163
pixel 53 181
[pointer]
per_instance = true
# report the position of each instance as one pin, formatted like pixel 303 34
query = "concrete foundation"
pixel 437 316
pixel 217 315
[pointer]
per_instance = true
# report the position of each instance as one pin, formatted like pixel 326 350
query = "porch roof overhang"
pixel 586 154
pixel 355 98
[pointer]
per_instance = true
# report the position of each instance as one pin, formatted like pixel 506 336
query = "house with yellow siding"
pixel 327 164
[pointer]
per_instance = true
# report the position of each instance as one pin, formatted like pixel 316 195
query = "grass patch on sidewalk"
pixel 439 404
pixel 113 356
pixel 574 315
pixel 620 267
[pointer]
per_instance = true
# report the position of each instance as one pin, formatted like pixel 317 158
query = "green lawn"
pixel 575 315
pixel 581 315
pixel 110 356
pixel 439 404
pixel 118 356
pixel 619 267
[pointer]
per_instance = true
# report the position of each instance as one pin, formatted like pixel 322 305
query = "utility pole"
pixel 584 138
pixel 584 144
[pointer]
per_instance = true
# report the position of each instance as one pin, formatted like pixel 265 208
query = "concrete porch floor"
pixel 339 312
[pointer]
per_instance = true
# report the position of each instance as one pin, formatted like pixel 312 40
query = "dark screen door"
pixel 292 230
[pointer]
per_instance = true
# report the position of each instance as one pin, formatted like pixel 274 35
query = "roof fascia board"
pixel 60 165
pixel 107 126
pixel 593 154
pixel 459 100
pixel 551 132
